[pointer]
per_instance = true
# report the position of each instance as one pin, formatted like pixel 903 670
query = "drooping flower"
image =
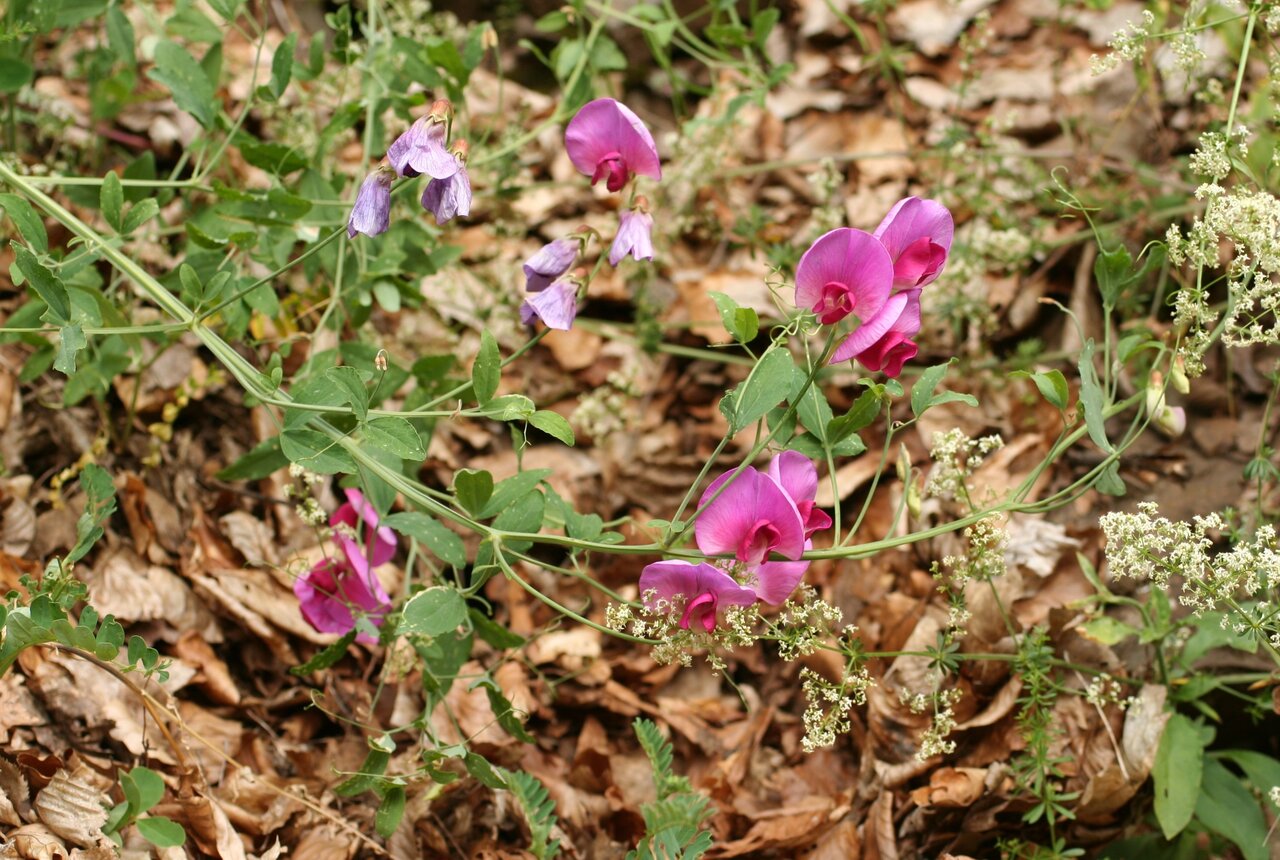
pixel 884 342
pixel 798 478
pixel 634 237
pixel 917 233
pixel 371 213
pixel 844 272
pixel 357 516
pixel 752 518
pixel 550 262
pixel 556 306
pixel 606 139
pixel 421 149
pixel 705 588
pixel 450 196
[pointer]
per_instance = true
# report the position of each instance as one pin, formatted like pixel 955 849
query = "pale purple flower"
pixel 917 233
pixel 371 213
pixel 751 519
pixel 634 229
pixel 556 306
pixel 606 139
pixel 449 197
pixel 884 342
pixel 421 149
pixel 845 272
pixel 550 262
pixel 706 589
pixel 798 478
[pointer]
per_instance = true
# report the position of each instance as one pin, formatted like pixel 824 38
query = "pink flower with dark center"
pixel 607 141
pixel 556 306
pixel 634 237
pixel 884 341
pixel 845 272
pixel 550 262
pixel 705 588
pixel 917 234
pixel 371 213
pixel 798 478
pixel 752 518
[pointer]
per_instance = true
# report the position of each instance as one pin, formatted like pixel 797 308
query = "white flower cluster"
pixel 1274 795
pixel 659 618
pixel 308 509
pixel 1105 690
pixel 984 560
pixel 803 623
pixel 1129 43
pixel 956 457
pixel 827 715
pixel 934 741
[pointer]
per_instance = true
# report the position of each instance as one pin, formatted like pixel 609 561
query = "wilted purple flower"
pixel 752 518
pixel 917 233
pixel 884 341
pixel 556 306
pixel 450 196
pixel 798 478
pixel 421 149
pixel 705 588
pixel 606 139
pixel 550 262
pixel 844 272
pixel 371 213
pixel 634 234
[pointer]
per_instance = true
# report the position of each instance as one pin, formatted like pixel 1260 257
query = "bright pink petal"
pixel 776 580
pixel 751 518
pixel 329 592
pixel 889 354
pixel 605 130
pixel 796 474
pixel 379 541
pixel 910 221
pixel 872 329
pixel 845 271
pixel 704 587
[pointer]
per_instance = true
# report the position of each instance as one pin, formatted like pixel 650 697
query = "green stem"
pixel 1244 61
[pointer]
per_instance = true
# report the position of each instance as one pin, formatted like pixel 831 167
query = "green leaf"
pixel 509 407
pixel 479 767
pixel 140 213
pixel 46 285
pixel 504 711
pixel 860 415
pixel 553 424
pixel 192 91
pixel 433 612
pixel 14 74
pixel 282 64
pixel 1109 481
pixel 1113 271
pixel 473 489
pixel 395 434
pixel 1176 774
pixel 120 35
pixel 552 22
pixel 495 634
pixel 315 452
pixel 1261 770
pixel 265 458
pixel 1226 807
pixel 766 385
pixel 371 771
pixel 434 535
pixel 390 811
pixel 922 393
pixel 1093 400
pixel 487 370
pixel 71 341
pixel 510 489
pixel 29 224
pixel 1052 386
pixel 111 200
pixel 1107 630
pixel 143 788
pixel 161 832
pixel 351 384
pixel 327 656
pixel 525 515
pixel 100 494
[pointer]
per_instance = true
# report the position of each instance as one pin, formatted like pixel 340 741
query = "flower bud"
pixel 441 110
pixel 1178 375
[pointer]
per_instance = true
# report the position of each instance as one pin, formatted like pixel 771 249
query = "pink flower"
pixel 550 262
pixel 917 233
pixel 753 518
pixel 798 478
pixel 371 213
pixel 379 541
pixel 556 306
pixel 634 229
pixel 606 139
pixel 845 272
pixel 705 589
pixel 884 341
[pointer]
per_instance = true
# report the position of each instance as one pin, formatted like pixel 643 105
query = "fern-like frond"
pixel 539 812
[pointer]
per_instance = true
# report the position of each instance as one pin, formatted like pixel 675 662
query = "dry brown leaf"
pixel 952 787
pixel 73 807
pixel 37 842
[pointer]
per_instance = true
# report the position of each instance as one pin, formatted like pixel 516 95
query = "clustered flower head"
pixel 335 586
pixel 749 517
pixel 877 278
pixel 605 140
pixel 423 149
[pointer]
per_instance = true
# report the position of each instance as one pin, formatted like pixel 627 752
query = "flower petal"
pixel 371 213
pixel 634 237
pixel 605 126
pixel 776 580
pixel 671 579
pixel 796 474
pixel 910 220
pixel 872 329
pixel 449 197
pixel 853 258
pixel 550 262
pixel 556 306
pixel 379 541
pixel 750 505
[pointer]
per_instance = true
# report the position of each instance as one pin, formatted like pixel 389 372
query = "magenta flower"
pixel 357 516
pixel 634 229
pixel 556 306
pixel 884 341
pixel 704 588
pixel 450 196
pixel 917 233
pixel 845 272
pixel 550 262
pixel 798 478
pixel 751 519
pixel 606 139
pixel 371 213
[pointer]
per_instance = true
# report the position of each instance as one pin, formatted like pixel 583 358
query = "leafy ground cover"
pixel 813 430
